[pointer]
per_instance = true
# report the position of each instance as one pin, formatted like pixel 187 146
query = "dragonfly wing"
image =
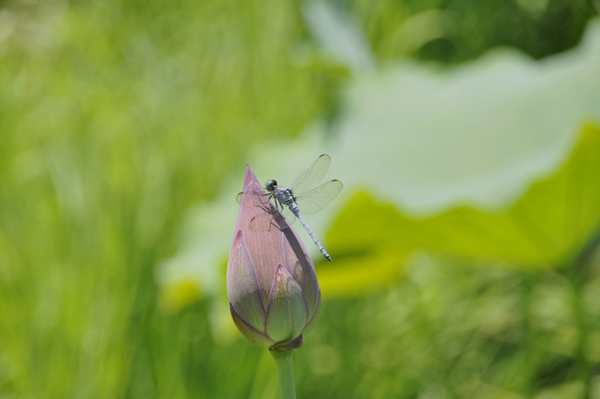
pixel 262 222
pixel 252 198
pixel 289 215
pixel 313 175
pixel 317 199
pixel 239 197
pixel 269 220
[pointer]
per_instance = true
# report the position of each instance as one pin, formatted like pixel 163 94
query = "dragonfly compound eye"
pixel 271 184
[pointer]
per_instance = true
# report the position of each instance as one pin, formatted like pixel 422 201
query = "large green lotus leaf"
pixel 544 228
pixel 477 134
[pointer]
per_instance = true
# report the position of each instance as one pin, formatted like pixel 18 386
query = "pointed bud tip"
pixel 250 177
pixel 281 273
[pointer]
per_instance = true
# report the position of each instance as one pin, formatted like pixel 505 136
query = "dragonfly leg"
pixel 268 207
pixel 267 198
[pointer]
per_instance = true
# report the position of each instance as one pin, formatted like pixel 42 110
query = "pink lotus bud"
pixel 272 286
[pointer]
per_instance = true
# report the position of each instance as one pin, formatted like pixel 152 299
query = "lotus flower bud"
pixel 272 286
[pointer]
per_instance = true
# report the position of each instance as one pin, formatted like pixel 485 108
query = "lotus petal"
pixel 251 333
pixel 287 313
pixel 242 284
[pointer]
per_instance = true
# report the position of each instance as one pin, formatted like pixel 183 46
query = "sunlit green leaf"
pixel 354 276
pixel 544 228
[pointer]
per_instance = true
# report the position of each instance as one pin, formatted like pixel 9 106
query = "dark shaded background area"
pixel 538 28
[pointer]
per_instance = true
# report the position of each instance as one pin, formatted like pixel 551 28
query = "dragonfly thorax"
pixel 284 195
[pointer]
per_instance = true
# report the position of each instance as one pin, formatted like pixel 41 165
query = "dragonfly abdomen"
pixel 294 208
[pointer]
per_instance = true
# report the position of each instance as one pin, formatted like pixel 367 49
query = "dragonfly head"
pixel 271 185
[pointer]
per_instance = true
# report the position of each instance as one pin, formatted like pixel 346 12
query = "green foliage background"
pixel 117 116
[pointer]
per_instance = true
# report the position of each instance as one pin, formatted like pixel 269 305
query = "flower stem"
pixel 283 359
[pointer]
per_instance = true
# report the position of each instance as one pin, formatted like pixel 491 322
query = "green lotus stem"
pixel 283 359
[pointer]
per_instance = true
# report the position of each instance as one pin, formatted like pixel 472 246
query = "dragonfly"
pixel 302 197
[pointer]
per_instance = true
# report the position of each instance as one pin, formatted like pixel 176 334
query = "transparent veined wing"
pixel 288 215
pixel 317 199
pixel 313 175
pixel 272 219
pixel 252 198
